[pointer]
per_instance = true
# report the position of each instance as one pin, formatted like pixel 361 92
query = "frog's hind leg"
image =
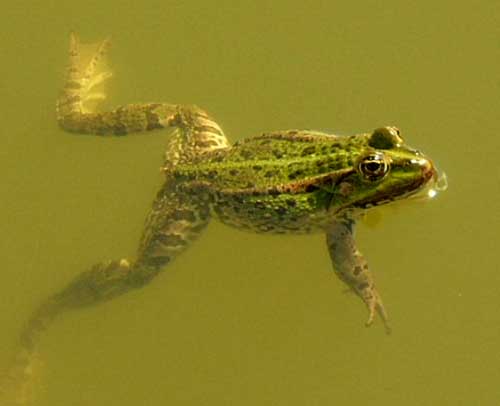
pixel 177 218
pixel 175 221
pixel 195 131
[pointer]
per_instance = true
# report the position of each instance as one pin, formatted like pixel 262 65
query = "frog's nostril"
pixel 426 166
pixel 420 162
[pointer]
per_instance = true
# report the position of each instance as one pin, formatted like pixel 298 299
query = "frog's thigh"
pixel 195 133
pixel 175 220
pixel 352 268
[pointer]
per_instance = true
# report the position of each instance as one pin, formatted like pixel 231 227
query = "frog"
pixel 279 182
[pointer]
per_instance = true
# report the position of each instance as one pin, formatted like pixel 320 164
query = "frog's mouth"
pixel 437 183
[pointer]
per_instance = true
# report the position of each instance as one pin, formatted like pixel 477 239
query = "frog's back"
pixel 270 160
pixel 270 183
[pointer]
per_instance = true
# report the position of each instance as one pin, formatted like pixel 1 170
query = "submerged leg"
pixel 176 219
pixel 352 268
pixel 197 131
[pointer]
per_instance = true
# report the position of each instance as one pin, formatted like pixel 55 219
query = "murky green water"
pixel 244 319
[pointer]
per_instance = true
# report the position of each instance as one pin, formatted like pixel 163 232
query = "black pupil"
pixel 372 166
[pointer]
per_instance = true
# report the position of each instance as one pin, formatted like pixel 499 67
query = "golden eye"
pixel 374 166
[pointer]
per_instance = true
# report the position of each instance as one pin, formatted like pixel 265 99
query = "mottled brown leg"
pixel 351 267
pixel 196 131
pixel 176 219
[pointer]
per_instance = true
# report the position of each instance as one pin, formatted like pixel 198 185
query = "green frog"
pixel 292 181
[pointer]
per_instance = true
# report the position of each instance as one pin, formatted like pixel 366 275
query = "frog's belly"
pixel 262 218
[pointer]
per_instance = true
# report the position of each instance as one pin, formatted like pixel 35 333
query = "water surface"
pixel 242 319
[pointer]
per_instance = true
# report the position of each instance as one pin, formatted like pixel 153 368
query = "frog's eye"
pixel 374 166
pixel 385 138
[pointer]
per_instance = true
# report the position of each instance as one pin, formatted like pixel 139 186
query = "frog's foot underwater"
pixel 280 182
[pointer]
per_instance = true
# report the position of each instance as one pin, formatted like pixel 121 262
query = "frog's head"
pixel 386 170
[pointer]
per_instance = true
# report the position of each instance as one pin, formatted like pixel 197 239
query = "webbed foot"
pixel 85 73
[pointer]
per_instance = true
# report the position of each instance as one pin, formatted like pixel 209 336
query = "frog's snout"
pixel 434 181
pixel 429 170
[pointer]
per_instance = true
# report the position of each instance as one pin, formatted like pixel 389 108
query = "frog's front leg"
pixel 352 268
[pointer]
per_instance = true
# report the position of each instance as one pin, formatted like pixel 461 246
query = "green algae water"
pixel 240 318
